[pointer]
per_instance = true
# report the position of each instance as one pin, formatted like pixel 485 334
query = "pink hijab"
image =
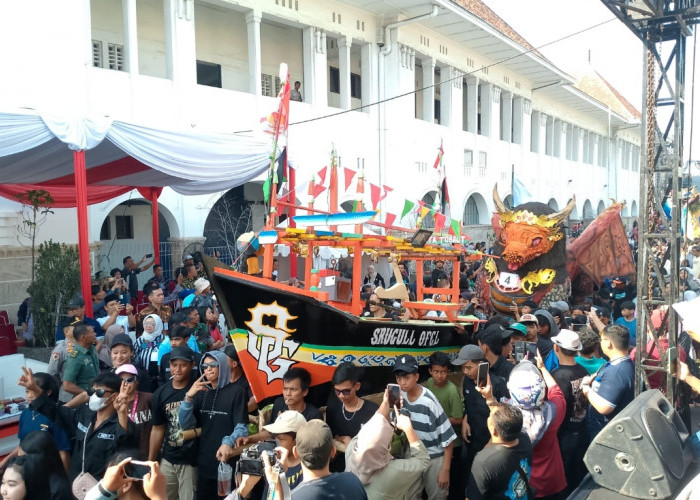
pixel 371 452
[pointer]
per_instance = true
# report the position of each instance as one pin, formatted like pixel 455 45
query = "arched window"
pixel 471 212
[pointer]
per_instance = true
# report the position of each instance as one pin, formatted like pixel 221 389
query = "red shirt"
pixel 215 334
pixel 547 475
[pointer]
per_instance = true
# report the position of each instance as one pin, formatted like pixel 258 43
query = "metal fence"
pixel 171 262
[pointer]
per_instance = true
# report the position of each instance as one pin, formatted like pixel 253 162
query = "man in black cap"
pixel 475 432
pixel 432 426
pixel 60 353
pixel 179 456
pixel 490 341
pixel 76 309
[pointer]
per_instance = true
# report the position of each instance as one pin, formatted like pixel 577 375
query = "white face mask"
pixel 97 403
pixel 148 337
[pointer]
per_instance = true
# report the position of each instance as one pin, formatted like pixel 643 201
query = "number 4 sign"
pixel 508 280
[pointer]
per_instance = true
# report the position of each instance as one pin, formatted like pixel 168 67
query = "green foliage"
pixel 57 280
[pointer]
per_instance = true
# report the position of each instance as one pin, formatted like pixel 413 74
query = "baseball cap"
pixel 602 311
pixel 70 321
pixel 405 363
pixel 468 353
pixel 182 352
pixel 528 318
pixel 466 295
pixel 126 369
pixel 75 303
pixel 201 284
pixel 121 339
pixel 314 440
pixel 187 257
pixel 567 339
pixel 288 421
pixel 518 328
pixel 562 305
pixel 494 330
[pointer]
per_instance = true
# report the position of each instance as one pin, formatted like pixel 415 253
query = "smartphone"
pixel 519 350
pixel 394 396
pixel 149 255
pixel 136 469
pixel 531 350
pixel 482 374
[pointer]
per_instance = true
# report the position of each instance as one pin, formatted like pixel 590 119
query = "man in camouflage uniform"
pixel 62 351
pixel 82 365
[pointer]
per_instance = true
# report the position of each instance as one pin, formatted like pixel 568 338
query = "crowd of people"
pixel 150 401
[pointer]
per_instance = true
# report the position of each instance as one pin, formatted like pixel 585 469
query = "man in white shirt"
pixel 113 308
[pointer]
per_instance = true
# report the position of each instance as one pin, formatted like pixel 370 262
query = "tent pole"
pixel 83 243
pixel 154 226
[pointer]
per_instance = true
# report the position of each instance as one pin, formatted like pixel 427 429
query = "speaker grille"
pixel 665 439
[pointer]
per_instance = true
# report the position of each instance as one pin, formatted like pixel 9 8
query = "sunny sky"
pixel 615 52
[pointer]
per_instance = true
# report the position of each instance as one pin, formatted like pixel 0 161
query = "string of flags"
pixel 317 186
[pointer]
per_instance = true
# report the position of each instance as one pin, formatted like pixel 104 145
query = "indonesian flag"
pixel 276 123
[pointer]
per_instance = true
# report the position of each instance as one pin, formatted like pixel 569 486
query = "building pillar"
pixel 535 132
pixel 428 89
pixel 252 20
pixel 495 111
pixel 344 44
pixel 307 47
pixel 526 125
pixel 556 138
pixel 451 97
pixel 131 46
pixel 368 75
pixel 472 103
pixel 180 52
pixel 518 114
pixel 507 116
pixel 320 69
pixel 486 106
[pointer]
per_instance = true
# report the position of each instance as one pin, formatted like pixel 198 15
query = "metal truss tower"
pixel 663 26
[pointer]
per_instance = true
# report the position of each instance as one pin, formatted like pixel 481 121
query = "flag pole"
pixel 512 183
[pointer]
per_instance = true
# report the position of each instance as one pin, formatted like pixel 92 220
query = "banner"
pixel 520 193
pixel 349 175
pixel 375 193
pixel 407 207
pixel 390 219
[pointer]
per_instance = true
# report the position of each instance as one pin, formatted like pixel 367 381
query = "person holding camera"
pixel 220 409
pixel 120 481
pixel 368 456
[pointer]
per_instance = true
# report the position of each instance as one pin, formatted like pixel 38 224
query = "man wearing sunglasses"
pixel 139 404
pixel 219 408
pixel 348 412
pixel 100 428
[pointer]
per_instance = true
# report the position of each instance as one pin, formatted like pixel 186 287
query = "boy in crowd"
pixel 628 320
pixel 295 387
pixel 612 388
pixel 498 470
pixel 490 341
pixel 432 426
pixel 238 377
pixel 179 336
pixel 588 355
pixel 573 438
pixel 179 464
pixel 449 398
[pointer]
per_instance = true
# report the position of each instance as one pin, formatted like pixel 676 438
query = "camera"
pixel 251 459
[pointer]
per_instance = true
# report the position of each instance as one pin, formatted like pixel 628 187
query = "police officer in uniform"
pixel 64 348
pixel 82 364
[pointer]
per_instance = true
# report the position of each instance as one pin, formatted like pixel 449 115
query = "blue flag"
pixel 520 193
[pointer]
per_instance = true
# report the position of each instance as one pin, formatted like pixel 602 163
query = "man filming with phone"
pixel 475 432
pixel 132 269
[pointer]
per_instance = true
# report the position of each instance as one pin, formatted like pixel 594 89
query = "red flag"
pixel 439 222
pixel 390 219
pixel 438 160
pixel 277 121
pixel 386 189
pixel 349 175
pixel 375 192
pixel 322 175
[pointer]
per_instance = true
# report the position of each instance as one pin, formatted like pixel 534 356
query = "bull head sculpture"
pixel 525 235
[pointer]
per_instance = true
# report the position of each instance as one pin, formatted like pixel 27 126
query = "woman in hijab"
pixel 542 403
pixel 147 347
pixel 368 456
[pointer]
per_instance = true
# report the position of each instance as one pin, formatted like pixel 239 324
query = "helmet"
pixel 526 386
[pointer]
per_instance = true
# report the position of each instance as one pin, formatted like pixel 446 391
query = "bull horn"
pixel 562 215
pixel 500 207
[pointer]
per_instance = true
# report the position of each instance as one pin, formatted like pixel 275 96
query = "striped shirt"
pixel 430 422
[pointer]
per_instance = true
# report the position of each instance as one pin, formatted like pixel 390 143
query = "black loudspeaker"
pixel 643 452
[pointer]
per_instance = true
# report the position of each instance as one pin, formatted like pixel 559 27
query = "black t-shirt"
pixel 166 405
pixel 502 368
pixel 164 368
pixel 242 382
pixel 494 474
pixel 132 280
pixel 340 486
pixel 345 423
pixel 279 406
pixel 217 412
pixel 568 379
pixel 477 410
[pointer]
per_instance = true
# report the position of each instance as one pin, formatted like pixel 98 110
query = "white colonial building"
pixel 407 75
